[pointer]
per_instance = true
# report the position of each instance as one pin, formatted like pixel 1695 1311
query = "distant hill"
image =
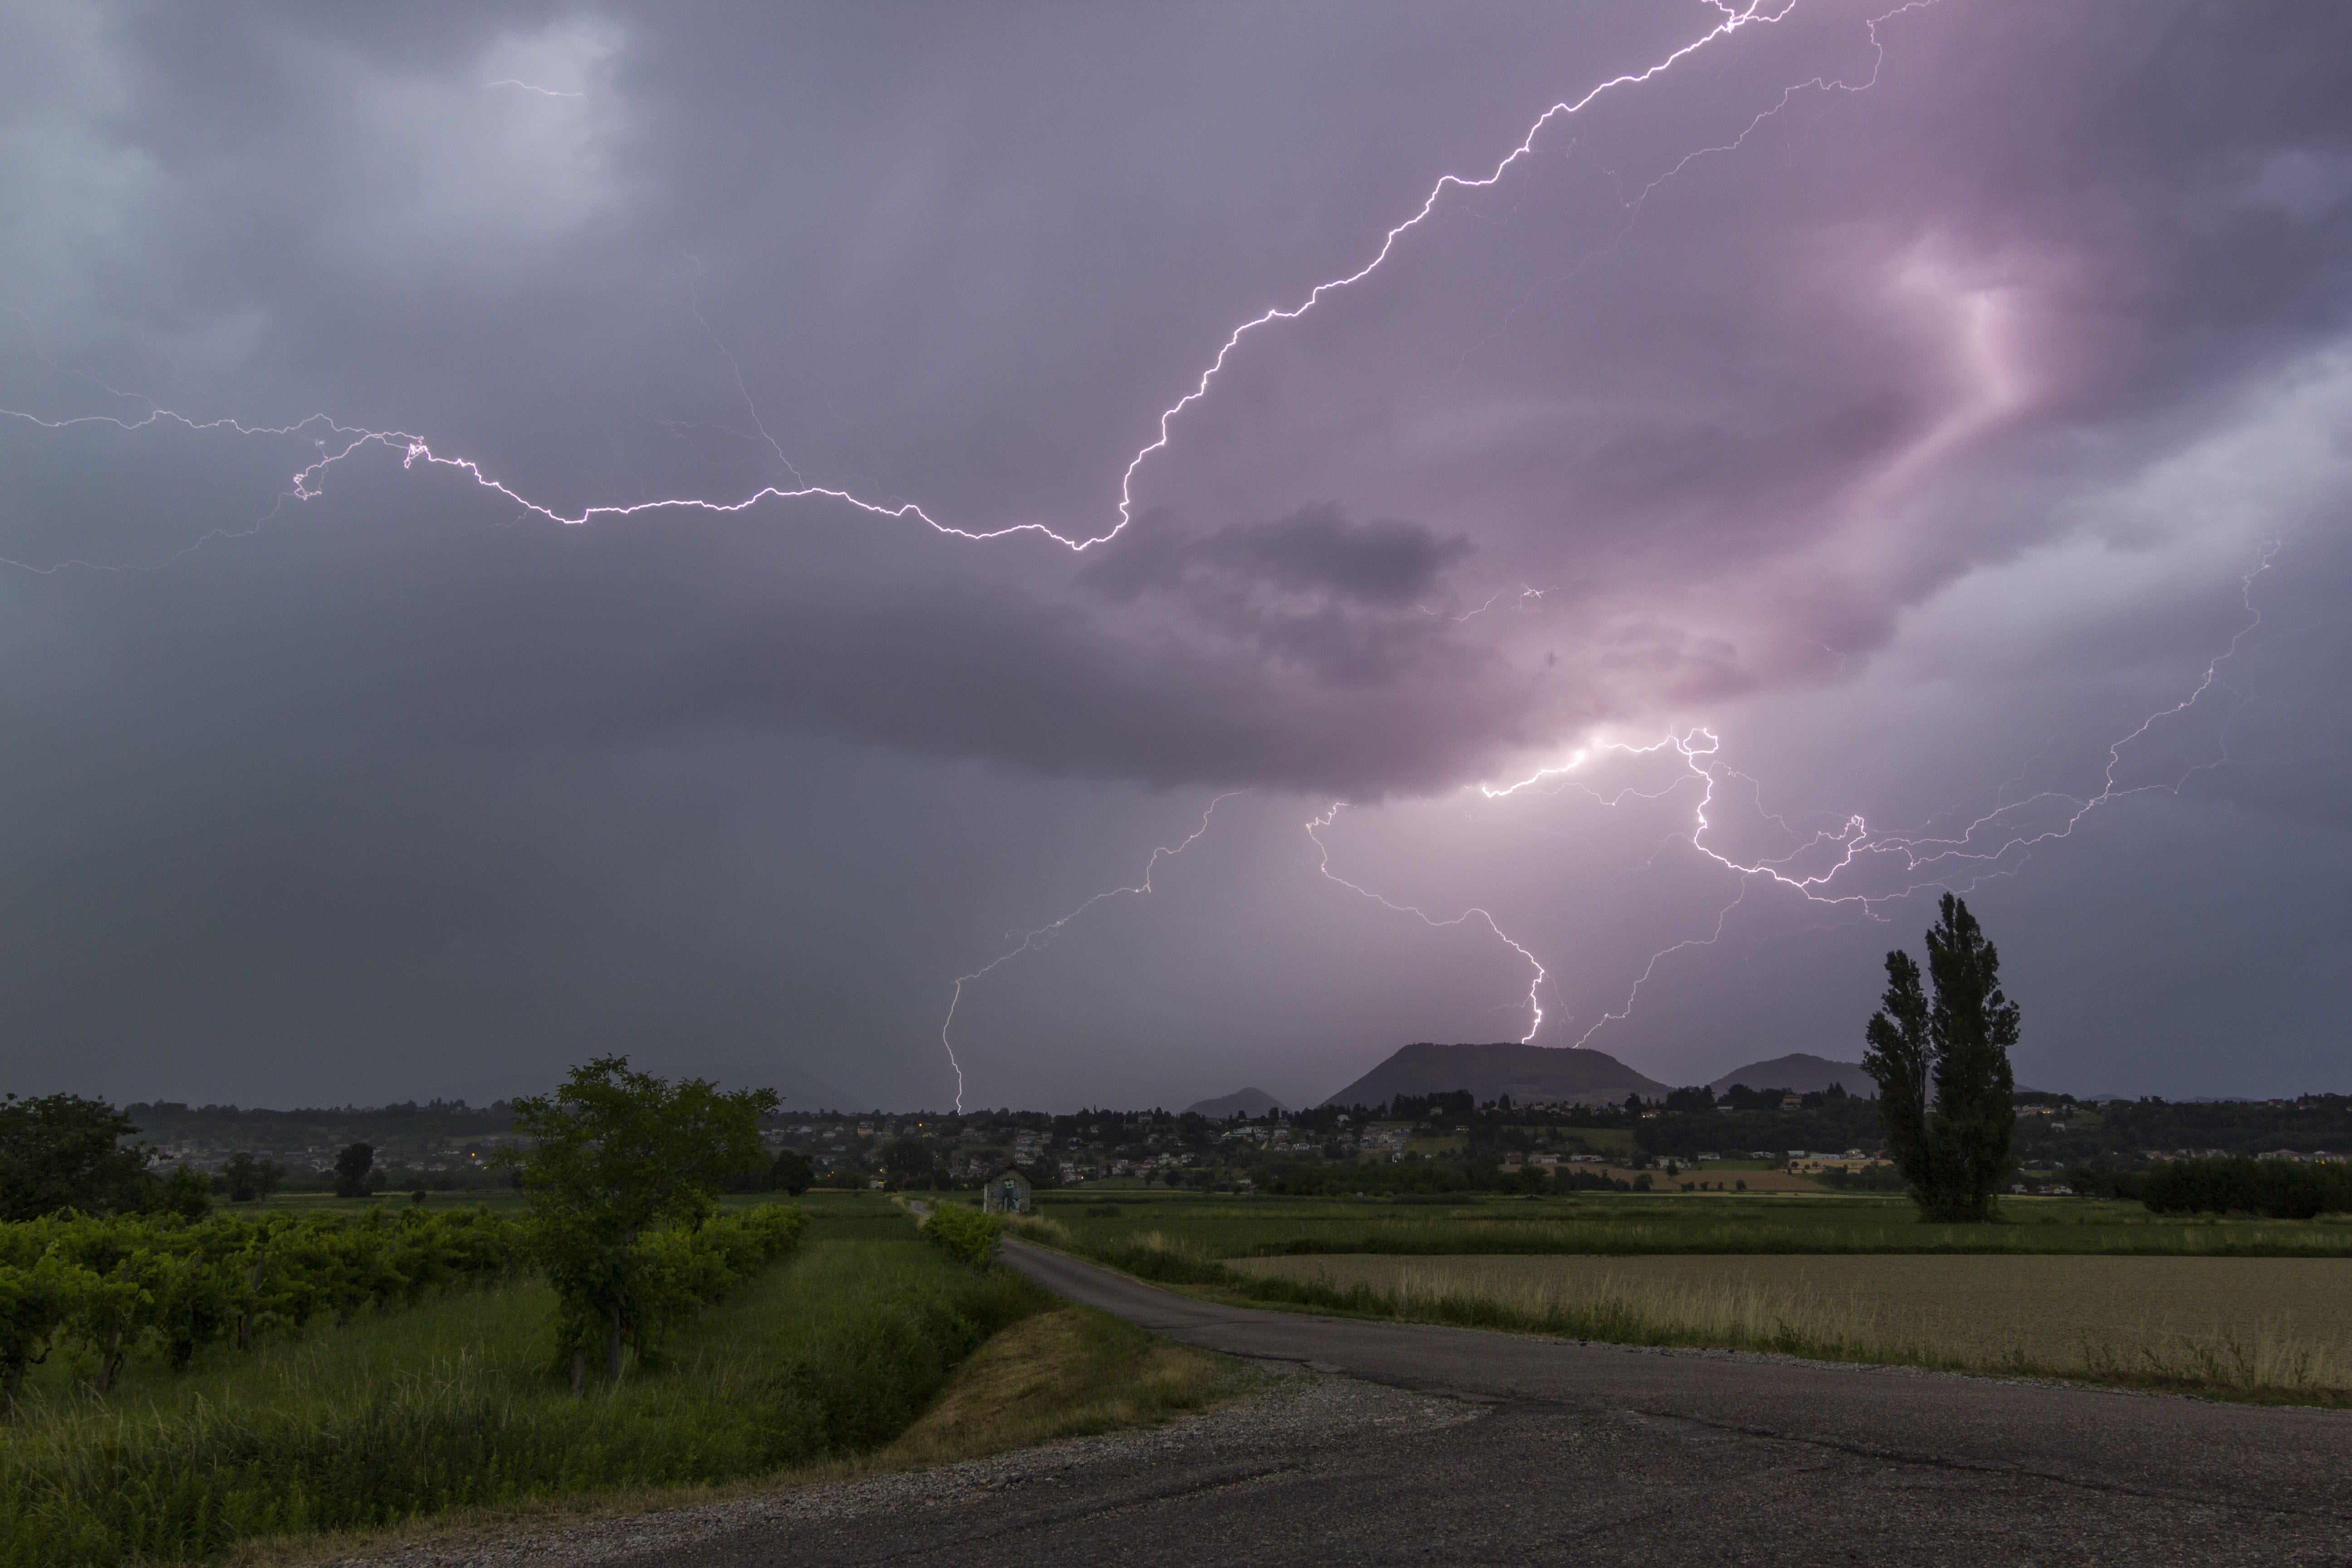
pixel 801 1091
pixel 1525 1073
pixel 1242 1103
pixel 1805 1074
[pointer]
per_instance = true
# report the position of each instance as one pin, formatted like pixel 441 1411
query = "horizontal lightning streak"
pixel 529 86
pixel 415 450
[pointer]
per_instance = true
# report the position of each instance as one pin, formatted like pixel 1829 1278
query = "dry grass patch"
pixel 1060 1374
pixel 2248 1327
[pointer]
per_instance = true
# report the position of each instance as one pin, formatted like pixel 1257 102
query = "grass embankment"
pixel 1622 1226
pixel 1063 1373
pixel 452 1403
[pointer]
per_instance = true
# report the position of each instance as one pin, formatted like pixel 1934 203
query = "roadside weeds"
pixel 1067 1373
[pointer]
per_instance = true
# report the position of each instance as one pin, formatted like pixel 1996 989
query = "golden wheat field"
pixel 2274 1324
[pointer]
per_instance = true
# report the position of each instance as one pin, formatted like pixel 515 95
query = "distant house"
pixel 1006 1192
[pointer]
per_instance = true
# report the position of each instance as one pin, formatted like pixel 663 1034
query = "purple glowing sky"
pixel 1863 436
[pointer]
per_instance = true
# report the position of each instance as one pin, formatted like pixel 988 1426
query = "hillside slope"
pixel 1525 1073
pixel 1802 1072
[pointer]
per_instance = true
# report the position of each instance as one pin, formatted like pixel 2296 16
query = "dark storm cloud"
pixel 1313 590
pixel 1983 385
pixel 1688 448
pixel 993 673
pixel 1316 550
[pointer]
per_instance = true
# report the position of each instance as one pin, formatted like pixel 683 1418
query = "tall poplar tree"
pixel 1953 1151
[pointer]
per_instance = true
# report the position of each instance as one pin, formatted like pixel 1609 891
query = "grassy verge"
pixel 2247 1355
pixel 1064 1373
pixel 451 1404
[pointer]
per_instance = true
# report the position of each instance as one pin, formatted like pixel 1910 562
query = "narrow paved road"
pixel 1604 1455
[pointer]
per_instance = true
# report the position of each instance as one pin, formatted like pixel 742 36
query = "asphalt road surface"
pixel 1547 1451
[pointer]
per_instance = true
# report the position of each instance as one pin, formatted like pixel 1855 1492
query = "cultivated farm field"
pixel 2109 1292
pixel 2280 1326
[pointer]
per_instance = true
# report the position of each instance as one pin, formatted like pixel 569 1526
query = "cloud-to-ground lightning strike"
pixel 1031 941
pixel 1535 987
pixel 1931 863
pixel 416 449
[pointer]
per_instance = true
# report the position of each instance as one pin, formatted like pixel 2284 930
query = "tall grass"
pixel 2109 1329
pixel 451 1403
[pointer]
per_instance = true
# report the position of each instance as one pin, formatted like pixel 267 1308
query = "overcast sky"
pixel 1859 459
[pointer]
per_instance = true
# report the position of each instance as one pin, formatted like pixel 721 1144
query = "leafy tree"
pixel 1946 1089
pixel 1697 1097
pixel 904 1157
pixel 185 1192
pixel 351 1168
pixel 790 1174
pixel 62 1151
pixel 614 1153
pixel 245 1178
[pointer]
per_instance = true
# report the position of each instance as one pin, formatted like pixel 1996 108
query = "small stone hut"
pixel 1006 1192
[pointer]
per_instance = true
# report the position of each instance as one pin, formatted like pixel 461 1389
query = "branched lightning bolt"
pixel 1032 941
pixel 1315 827
pixel 1518 601
pixel 333 442
pixel 416 449
pixel 1928 862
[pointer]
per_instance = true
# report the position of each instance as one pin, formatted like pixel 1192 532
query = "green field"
pixel 1617 1223
pixel 453 1404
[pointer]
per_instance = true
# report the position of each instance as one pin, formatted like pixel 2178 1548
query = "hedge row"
pixel 2275 1189
pixel 963 1232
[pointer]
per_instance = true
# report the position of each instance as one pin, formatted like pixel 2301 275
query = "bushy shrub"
pixel 966 1235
